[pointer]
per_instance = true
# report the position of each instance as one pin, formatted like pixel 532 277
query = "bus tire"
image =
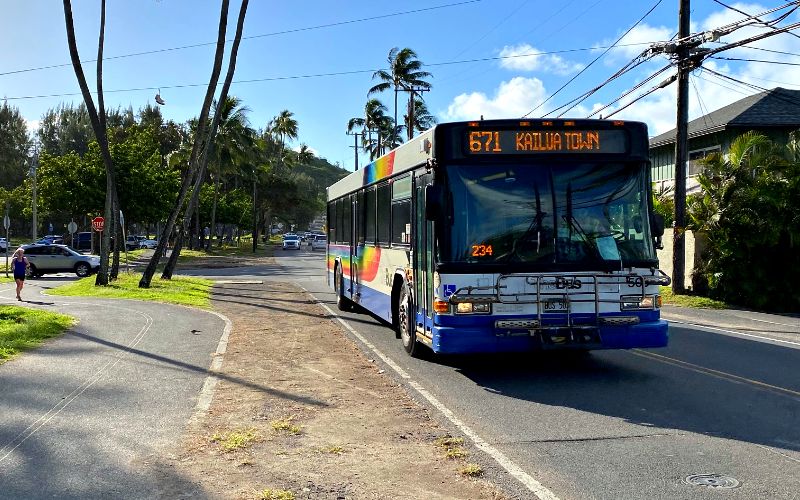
pixel 405 323
pixel 342 302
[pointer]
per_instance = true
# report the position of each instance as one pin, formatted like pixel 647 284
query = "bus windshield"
pixel 547 216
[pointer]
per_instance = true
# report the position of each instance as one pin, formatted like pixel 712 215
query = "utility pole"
pixel 411 111
pixel 685 67
pixel 355 144
pixel 34 167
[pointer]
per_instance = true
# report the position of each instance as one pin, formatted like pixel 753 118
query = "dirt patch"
pixel 300 409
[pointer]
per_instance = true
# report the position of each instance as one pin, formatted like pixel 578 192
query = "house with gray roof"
pixel 773 113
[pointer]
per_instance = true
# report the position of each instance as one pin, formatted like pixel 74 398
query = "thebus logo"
pixel 561 283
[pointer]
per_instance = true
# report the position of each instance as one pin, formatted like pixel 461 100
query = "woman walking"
pixel 20 266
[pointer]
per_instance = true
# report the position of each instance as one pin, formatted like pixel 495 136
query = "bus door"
pixel 423 258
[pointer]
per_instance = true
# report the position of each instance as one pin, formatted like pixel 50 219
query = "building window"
pixel 695 166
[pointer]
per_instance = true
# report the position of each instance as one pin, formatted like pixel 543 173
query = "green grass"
pixel 690 300
pixel 236 440
pixel 22 328
pixel 3 278
pixel 179 290
pixel 270 494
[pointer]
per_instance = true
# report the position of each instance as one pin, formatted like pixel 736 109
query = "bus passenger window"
pixel 401 222
pixel 332 222
pixel 369 216
pixel 347 220
pixel 384 214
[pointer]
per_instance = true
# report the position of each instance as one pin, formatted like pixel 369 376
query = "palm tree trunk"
pixel 150 270
pixel 394 125
pixel 98 121
pixel 208 149
pixel 214 210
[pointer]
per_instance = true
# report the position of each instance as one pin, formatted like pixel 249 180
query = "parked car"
pixel 51 258
pixel 47 240
pixel 291 241
pixel 3 245
pixel 132 241
pixel 319 243
pixel 148 243
pixel 83 241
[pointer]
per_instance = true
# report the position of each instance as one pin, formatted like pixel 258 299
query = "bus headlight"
pixel 475 308
pixel 633 302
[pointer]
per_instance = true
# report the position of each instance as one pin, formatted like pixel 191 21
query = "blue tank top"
pixel 19 267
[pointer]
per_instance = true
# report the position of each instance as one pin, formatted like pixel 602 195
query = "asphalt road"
pixel 88 414
pixel 618 424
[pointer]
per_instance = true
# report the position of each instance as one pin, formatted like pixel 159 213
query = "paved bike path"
pixel 86 414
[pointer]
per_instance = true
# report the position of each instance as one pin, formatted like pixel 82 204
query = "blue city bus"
pixel 503 236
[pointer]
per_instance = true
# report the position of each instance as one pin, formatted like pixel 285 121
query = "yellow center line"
pixel 715 373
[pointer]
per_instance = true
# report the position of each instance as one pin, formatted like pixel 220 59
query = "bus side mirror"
pixel 657 225
pixel 433 202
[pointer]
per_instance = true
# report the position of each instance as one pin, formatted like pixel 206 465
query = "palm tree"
pixel 405 74
pixel 233 145
pixel 284 126
pixel 374 120
pixel 422 118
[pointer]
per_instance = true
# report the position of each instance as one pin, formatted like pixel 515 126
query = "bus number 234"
pixel 481 250
pixel 484 142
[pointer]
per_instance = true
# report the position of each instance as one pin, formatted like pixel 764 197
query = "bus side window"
pixel 401 222
pixel 369 215
pixel 360 219
pixel 384 214
pixel 347 220
pixel 340 221
pixel 332 223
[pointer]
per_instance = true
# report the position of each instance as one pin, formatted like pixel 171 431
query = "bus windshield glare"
pixel 585 216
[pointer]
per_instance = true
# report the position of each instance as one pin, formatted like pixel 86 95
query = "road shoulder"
pixel 313 414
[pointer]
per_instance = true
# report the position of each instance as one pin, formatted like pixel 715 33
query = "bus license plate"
pixel 556 305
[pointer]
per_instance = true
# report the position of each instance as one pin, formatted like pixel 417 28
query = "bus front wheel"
pixel 405 323
pixel 342 302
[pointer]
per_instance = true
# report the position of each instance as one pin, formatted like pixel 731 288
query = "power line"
pixel 755 60
pixel 753 17
pixel 252 37
pixel 595 59
pixel 314 75
pixel 632 90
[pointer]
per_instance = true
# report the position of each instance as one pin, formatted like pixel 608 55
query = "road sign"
pixel 98 223
pixel 6 222
pixel 72 227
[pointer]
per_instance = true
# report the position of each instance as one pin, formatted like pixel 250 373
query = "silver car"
pixel 319 243
pixel 51 258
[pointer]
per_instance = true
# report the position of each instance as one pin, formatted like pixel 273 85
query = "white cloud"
pixel 524 57
pixel 513 98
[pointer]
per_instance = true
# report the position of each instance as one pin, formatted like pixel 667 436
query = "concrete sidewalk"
pixel 777 326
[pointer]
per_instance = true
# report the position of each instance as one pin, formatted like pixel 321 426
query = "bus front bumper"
pixel 466 340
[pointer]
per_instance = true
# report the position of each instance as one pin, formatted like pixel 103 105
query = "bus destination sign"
pixel 535 141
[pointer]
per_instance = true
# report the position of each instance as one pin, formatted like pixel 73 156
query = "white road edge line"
pixel 733 332
pixel 534 486
pixel 207 392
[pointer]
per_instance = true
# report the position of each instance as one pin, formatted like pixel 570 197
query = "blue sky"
pixel 295 63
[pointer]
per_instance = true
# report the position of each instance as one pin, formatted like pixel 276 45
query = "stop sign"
pixel 98 223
